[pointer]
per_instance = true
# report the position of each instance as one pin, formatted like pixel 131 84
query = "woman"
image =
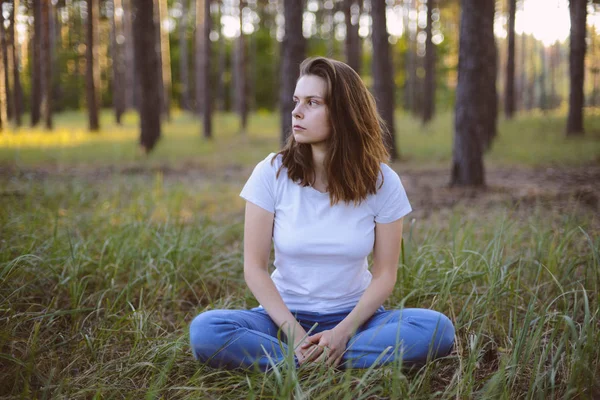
pixel 327 200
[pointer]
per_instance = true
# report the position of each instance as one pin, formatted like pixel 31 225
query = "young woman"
pixel 326 201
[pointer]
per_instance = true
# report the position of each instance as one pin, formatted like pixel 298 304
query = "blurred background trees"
pixel 242 56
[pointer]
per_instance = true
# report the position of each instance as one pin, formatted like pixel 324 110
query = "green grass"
pixel 106 256
pixel 531 140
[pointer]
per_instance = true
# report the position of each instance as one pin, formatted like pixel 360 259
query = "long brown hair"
pixel 355 146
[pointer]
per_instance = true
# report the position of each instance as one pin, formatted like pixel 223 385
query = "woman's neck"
pixel 318 154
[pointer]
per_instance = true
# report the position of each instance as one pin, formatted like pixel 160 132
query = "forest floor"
pixel 107 255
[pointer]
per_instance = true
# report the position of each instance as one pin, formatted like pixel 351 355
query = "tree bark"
pixel 165 57
pixel 199 45
pixel 353 53
pixel 3 98
pixel 293 50
pixel 147 68
pixel 429 83
pixel 118 64
pixel 17 99
pixel 241 78
pixel 509 89
pixel 132 86
pixel 92 68
pixel 383 83
pixel 5 57
pixel 46 65
pixel 221 92
pixel 578 12
pixel 491 109
pixel 471 97
pixel 36 64
pixel 184 68
pixel 204 16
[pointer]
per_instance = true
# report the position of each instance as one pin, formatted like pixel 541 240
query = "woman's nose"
pixel 296 112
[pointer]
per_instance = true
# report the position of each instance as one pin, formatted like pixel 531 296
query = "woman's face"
pixel 310 118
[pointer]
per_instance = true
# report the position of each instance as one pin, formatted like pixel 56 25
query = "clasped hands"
pixel 328 346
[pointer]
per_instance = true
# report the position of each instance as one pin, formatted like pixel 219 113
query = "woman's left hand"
pixel 330 346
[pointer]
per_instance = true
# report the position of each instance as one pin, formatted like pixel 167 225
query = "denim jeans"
pixel 245 338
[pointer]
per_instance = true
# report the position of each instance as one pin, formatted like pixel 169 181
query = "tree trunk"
pixel 509 90
pixel 165 57
pixel 5 58
pixel 184 68
pixel 221 92
pixel 117 60
pixel 383 82
pixel 147 68
pixel 491 109
pixel 46 65
pixel 241 79
pixel 132 86
pixel 93 70
pixel 429 83
pixel 578 12
pixel 3 104
pixel 353 54
pixel 199 44
pixel 205 68
pixel 17 99
pixel 293 50
pixel 36 64
pixel 471 97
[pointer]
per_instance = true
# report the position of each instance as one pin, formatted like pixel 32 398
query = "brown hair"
pixel 355 146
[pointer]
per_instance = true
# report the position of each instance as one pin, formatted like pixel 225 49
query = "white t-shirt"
pixel 321 251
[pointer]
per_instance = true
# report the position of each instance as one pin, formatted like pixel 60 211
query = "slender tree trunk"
pixel 383 83
pixel 5 55
pixel 199 45
pixel 353 54
pixel 509 90
pixel 131 84
pixel 521 104
pixel 184 67
pixel 221 92
pixel 148 70
pixel 117 60
pixel 293 50
pixel 542 77
pixel 471 97
pixel 578 12
pixel 429 83
pixel 408 100
pixel 46 65
pixel 165 57
pixel 205 69
pixel 17 100
pixel 491 109
pixel 93 70
pixel 241 79
pixel 3 104
pixel 36 64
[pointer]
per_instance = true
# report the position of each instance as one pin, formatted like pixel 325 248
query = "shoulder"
pixel 272 163
pixel 388 179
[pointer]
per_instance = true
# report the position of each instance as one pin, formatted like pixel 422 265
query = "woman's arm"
pixel 258 232
pixel 385 263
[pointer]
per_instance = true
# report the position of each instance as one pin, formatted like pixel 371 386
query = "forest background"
pixel 128 128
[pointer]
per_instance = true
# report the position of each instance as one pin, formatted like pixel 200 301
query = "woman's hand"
pixel 328 346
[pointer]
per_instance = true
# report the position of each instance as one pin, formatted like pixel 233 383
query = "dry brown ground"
pixel 513 187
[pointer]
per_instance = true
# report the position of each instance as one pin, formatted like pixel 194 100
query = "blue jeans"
pixel 245 338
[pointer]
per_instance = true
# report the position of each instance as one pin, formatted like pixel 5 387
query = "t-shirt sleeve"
pixel 260 187
pixel 392 202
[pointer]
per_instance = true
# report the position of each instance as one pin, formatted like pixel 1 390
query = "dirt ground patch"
pixel 428 189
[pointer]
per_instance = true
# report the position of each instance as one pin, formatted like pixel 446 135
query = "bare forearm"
pixel 263 288
pixel 374 296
